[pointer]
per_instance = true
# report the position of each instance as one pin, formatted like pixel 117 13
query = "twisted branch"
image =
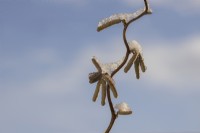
pixel 113 113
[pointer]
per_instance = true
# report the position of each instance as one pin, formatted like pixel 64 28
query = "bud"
pixel 123 109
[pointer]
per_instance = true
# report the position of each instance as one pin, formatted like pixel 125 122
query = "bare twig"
pixel 113 113
pixel 146 5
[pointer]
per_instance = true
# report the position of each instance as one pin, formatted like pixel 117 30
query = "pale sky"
pixel 45 58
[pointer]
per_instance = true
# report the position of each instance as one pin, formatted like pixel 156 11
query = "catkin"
pixel 142 65
pixel 108 24
pixel 96 91
pixel 96 63
pixel 112 85
pixel 130 63
pixel 103 99
pixel 137 71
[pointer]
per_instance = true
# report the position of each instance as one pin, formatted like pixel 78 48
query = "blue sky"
pixel 45 57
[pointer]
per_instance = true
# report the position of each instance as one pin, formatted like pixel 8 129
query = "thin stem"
pixel 127 52
pixel 110 101
pixel 145 12
pixel 146 5
pixel 113 114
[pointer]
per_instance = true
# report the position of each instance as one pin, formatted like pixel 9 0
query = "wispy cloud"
pixel 49 99
pixel 72 76
pixel 176 63
pixel 170 63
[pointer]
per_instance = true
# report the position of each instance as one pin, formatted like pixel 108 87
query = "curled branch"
pixel 104 75
pixel 113 114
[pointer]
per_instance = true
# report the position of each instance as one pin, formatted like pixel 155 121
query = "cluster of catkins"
pixel 103 75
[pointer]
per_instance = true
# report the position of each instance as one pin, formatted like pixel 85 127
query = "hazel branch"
pixel 114 115
pixel 105 72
